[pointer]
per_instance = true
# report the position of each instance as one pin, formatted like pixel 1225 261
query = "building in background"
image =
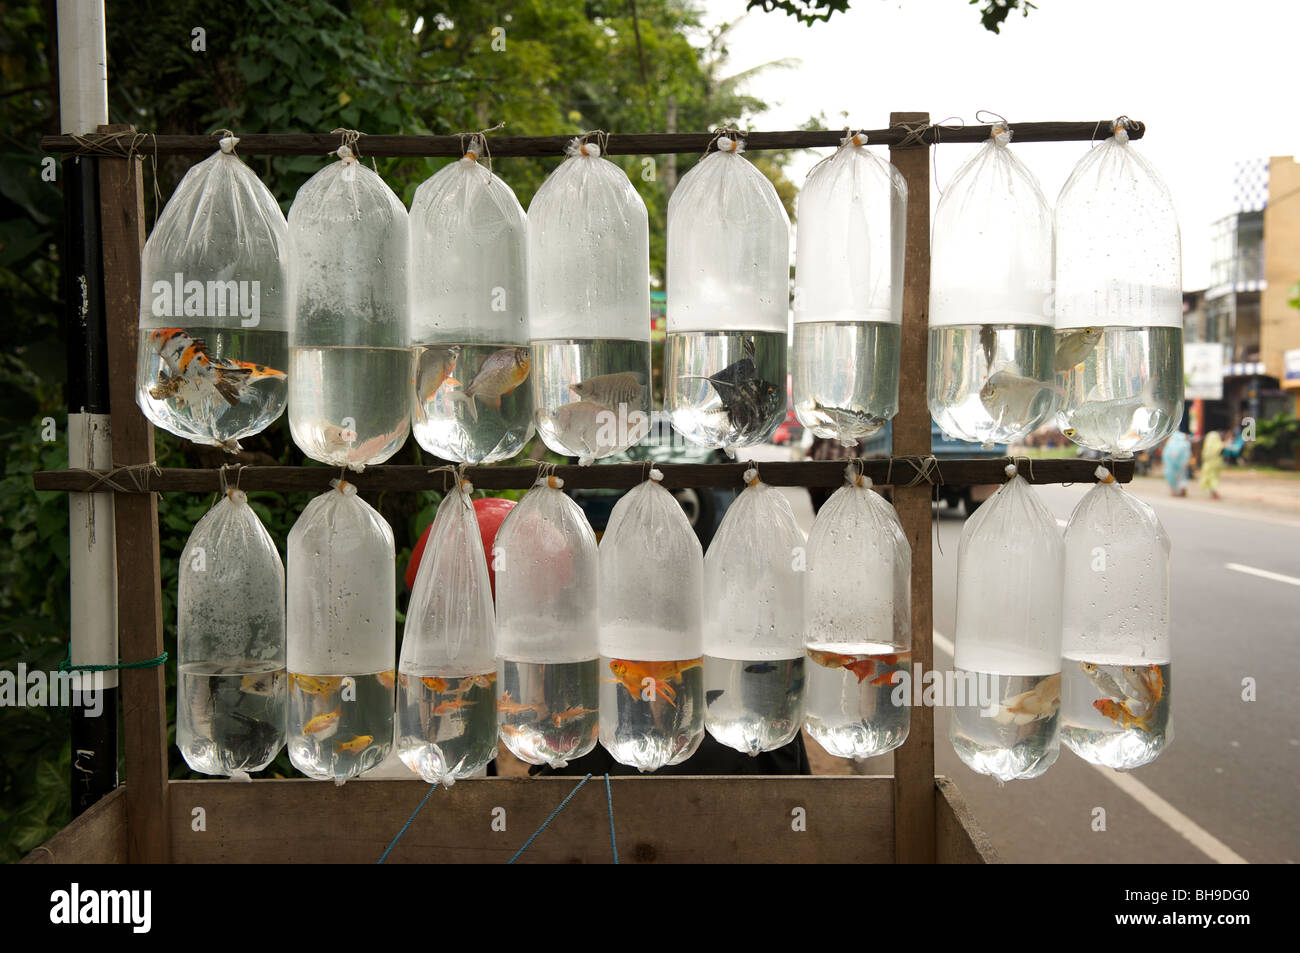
pixel 1279 319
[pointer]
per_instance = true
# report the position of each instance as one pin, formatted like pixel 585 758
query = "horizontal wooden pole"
pixel 299 144
pixel 900 471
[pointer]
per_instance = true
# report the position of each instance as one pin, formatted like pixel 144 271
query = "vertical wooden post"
pixel 139 587
pixel 914 797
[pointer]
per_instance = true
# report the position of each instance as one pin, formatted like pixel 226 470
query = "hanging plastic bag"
pixel 753 622
pixel 446 709
pixel 214 306
pixel 230 679
pixel 848 300
pixel 1119 302
pixel 473 401
pixel 1116 688
pixel 589 306
pixel 350 360
pixel 548 628
pixel 1010 566
pixel 859 623
pixel 651 643
pixel 342 622
pixel 992 339
pixel 728 302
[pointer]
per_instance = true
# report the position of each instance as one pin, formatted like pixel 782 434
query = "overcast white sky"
pixel 1215 81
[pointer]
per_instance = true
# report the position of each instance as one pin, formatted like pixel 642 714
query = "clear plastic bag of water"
pixel 1119 302
pixel 754 668
pixel 1115 686
pixel 473 400
pixel 589 307
pixel 728 302
pixel 215 302
pixel 446 682
pixel 548 627
pixel 992 338
pixel 651 639
pixel 349 352
pixel 231 688
pixel 848 298
pixel 342 636
pixel 858 629
pixel 1010 566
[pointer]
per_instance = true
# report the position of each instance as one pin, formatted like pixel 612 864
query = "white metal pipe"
pixel 83 66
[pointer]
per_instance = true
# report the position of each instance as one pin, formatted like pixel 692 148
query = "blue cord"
pixel 549 819
pixel 609 800
pixel 406 825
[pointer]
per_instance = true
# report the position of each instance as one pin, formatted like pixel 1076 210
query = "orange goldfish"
pixel 434 684
pixel 323 722
pixel 316 686
pixel 632 675
pixel 859 665
pixel 446 708
pixel 1146 683
pixel 193 373
pixel 387 679
pixel 1119 713
pixel 499 374
pixel 486 680
pixel 667 670
pixel 575 712
pixel 508 706
pixel 884 678
pixel 358 743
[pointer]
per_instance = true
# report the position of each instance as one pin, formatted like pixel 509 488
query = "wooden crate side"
pixel 657 820
pixel 96 837
pixel 958 837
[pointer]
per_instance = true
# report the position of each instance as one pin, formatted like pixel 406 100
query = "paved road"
pixel 1226 788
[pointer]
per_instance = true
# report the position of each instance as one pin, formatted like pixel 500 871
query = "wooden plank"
pixel 320 144
pixel 914 762
pixel 657 820
pixel 614 476
pixel 97 836
pixel 139 589
pixel 958 837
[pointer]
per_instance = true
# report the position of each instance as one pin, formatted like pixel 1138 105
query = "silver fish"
pixel 1075 346
pixel 610 390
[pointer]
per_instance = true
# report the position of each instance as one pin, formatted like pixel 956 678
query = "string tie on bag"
pixel 344 487
pixel 1103 475
pixel 347 150
pixel 853 138
pixel 581 146
pixel 1010 470
pixel 750 476
pixel 853 474
pixel 227 142
pixel 656 474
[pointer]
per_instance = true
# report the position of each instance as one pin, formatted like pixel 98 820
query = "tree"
pixel 993 13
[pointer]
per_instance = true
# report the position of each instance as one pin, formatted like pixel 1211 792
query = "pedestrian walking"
pixel 1177 454
pixel 1211 463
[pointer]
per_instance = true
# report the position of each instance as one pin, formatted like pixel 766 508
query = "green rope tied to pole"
pixel 67 666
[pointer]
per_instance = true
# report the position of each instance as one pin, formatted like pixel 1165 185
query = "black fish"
pixel 760 668
pixel 711 697
pixel 749 402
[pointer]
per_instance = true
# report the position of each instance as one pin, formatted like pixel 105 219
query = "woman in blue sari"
pixel 1176 456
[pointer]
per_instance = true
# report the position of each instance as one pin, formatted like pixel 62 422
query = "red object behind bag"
pixel 490 511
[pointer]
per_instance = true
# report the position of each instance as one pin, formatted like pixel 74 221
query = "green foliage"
pixel 1277 440
pixel 993 13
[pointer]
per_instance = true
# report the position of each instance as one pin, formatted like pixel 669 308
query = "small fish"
pixel 434 684
pixel 499 374
pixel 760 668
pixel 263 683
pixel 713 695
pixel 1074 347
pixel 749 402
pixel 884 678
pixel 632 676
pixel 1041 701
pixel 1119 713
pixel 512 733
pixel 610 390
pixel 337 439
pixel 358 743
pixel 323 722
pixel 446 708
pixel 1116 419
pixel 575 712
pixel 668 670
pixel 859 665
pixel 580 426
pixel 988 337
pixel 437 364
pixel 1105 684
pixel 387 678
pixel 1010 397
pixel 316 686
pixel 478 681
pixel 1145 683
pixel 508 706
pixel 193 373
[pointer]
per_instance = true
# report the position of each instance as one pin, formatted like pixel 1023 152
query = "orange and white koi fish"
pixel 316 686
pixel 387 679
pixel 499 374
pixel 358 743
pixel 323 722
pixel 192 373
pixel 632 676
pixel 1119 713
pixel 446 708
pixel 508 706
pixel 1041 701
pixel 568 714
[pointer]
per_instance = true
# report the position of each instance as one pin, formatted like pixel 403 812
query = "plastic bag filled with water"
pixel 1119 302
pixel 230 674
pixel 1010 562
pixel 754 669
pixel 473 401
pixel 446 682
pixel 342 636
pixel 1115 686
pixel 858 628
pixel 992 339
pixel 349 356
pixel 548 624
pixel 728 302
pixel 651 644
pixel 215 307
pixel 848 298
pixel 589 307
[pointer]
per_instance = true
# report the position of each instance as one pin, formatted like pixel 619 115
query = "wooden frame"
pixel 911 817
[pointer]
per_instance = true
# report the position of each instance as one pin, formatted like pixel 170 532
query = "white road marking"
pixel 1262 573
pixel 1175 819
